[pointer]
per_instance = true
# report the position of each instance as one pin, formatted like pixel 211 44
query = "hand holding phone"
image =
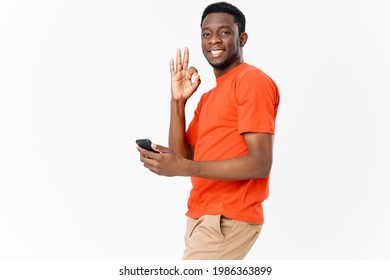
pixel 145 144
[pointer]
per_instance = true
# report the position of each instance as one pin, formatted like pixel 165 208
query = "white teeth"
pixel 216 52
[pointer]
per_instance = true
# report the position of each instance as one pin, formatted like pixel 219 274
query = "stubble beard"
pixel 224 64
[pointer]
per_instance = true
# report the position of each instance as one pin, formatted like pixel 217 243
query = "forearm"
pixel 241 168
pixel 177 129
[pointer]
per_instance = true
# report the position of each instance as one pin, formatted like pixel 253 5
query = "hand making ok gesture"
pixel 184 80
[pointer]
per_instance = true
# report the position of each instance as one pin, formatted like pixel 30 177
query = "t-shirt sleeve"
pixel 257 98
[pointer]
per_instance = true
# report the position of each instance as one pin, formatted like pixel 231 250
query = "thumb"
pixel 197 81
pixel 160 148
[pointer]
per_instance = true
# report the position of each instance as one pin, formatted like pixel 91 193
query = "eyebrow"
pixel 219 27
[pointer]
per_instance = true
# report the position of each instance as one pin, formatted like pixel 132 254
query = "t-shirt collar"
pixel 225 76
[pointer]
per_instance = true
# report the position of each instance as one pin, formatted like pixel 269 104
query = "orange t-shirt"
pixel 244 100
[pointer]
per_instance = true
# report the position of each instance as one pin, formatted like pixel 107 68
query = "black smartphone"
pixel 146 144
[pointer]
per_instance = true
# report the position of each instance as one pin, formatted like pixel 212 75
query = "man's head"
pixel 223 36
pixel 224 7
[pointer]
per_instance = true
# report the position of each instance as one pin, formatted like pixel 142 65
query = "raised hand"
pixel 184 80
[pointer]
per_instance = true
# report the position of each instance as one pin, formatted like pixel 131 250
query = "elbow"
pixel 263 169
pixel 263 174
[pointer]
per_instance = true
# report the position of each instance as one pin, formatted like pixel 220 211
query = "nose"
pixel 215 39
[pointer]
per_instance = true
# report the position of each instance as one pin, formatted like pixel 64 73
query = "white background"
pixel 81 80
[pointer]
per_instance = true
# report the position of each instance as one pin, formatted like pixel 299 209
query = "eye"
pixel 205 34
pixel 225 33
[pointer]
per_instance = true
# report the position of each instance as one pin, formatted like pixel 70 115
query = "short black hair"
pixel 224 7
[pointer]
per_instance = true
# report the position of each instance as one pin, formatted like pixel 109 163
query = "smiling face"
pixel 221 42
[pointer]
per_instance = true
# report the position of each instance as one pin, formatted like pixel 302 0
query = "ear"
pixel 243 39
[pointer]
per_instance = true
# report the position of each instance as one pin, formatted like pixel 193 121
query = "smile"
pixel 216 53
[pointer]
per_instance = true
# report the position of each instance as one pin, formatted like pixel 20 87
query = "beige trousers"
pixel 215 237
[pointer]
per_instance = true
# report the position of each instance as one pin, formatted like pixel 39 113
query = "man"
pixel 227 148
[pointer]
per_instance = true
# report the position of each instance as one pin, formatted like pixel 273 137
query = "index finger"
pixel 147 154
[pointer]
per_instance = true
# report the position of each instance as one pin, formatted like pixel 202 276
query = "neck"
pixel 218 72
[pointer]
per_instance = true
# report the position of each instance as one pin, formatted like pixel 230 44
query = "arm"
pixel 177 127
pixel 256 164
pixel 182 88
